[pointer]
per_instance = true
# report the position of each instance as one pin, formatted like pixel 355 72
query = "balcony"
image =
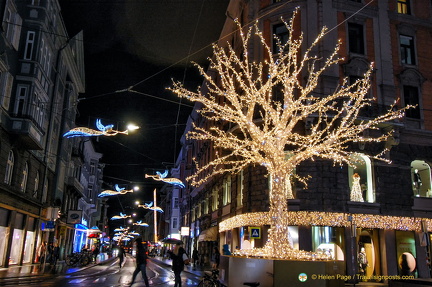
pixel 74 183
pixel 25 129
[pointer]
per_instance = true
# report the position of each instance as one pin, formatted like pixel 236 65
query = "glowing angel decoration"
pixel 117 191
pixel 151 207
pixel 102 131
pixel 120 229
pixel 162 177
pixel 121 216
pixel 133 233
pixel 140 223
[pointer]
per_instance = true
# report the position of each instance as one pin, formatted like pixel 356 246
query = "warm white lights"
pixel 257 111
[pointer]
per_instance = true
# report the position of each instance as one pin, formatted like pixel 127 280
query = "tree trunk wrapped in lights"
pixel 245 88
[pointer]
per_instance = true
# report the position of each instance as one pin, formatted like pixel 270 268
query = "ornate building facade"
pixel 390 213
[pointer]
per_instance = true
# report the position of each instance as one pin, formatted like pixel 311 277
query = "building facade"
pixel 41 76
pixel 391 215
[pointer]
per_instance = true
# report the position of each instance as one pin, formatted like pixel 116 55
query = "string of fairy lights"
pixel 333 219
pixel 279 91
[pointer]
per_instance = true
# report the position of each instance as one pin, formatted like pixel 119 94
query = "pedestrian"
pixel 55 253
pixel 41 252
pixel 141 261
pixel 215 258
pixel 121 255
pixel 405 269
pixel 179 260
pixel 50 250
pixel 195 258
pixel 95 252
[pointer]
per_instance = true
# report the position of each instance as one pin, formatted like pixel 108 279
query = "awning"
pixel 208 234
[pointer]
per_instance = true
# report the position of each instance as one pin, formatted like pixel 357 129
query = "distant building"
pixel 396 36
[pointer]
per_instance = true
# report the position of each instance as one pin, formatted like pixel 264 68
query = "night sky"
pixel 143 44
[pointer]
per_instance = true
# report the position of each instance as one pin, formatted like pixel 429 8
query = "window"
pixel 361 179
pixel 12 23
pixel 45 191
pixel 421 178
pixel 38 109
pixel 403 7
pixel 23 184
pixel 356 38
pixel 21 101
pixel 174 222
pixel 6 81
pixel 227 190
pixel 240 187
pixel 28 50
pixel 36 185
pixel 280 32
pixel 176 203
pixel 215 199
pixel 411 97
pixel 9 168
pixel 407 50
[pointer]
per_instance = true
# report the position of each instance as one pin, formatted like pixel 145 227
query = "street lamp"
pixel 102 131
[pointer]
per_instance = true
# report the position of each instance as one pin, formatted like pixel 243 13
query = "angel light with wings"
pixel 150 206
pixel 121 216
pixel 162 177
pixel 102 131
pixel 120 229
pixel 117 191
pixel 140 223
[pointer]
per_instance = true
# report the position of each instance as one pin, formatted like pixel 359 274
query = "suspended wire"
pixel 184 79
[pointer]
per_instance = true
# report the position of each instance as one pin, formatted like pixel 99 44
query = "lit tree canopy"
pixel 265 102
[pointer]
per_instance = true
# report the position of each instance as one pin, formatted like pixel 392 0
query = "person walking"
pixel 55 254
pixel 179 259
pixel 141 261
pixel 195 258
pixel 121 255
pixel 215 258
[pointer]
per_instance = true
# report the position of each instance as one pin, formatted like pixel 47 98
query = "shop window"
pixel 407 49
pixel 227 190
pixel 9 168
pixel 361 179
pixel 356 38
pixel 403 7
pixel 421 178
pixel 327 240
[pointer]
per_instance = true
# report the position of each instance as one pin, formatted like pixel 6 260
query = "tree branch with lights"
pixel 264 103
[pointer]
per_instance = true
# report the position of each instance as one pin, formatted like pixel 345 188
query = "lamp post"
pixel 155 217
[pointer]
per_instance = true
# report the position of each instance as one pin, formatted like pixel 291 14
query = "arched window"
pixel 227 190
pixel 421 178
pixel 9 168
pixel 36 185
pixel 362 171
pixel 23 184
pixel 45 191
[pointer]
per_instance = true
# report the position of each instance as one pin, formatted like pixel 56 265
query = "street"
pixel 108 274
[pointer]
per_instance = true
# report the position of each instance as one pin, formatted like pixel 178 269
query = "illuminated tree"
pixel 256 109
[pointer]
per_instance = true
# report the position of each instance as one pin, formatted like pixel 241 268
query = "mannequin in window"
pixel 417 182
pixel 356 190
pixel 362 261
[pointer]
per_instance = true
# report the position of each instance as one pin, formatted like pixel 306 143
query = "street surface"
pixel 106 275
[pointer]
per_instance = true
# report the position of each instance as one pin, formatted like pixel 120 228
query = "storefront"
pixel 80 237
